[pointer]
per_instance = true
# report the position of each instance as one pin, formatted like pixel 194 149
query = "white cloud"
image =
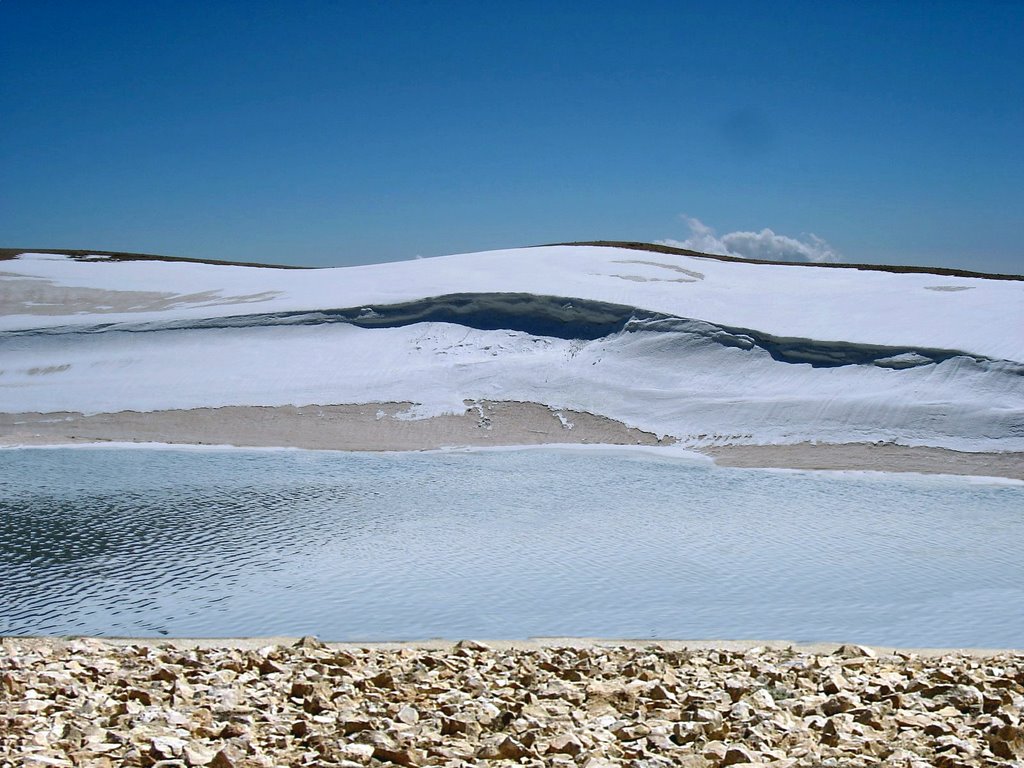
pixel 765 245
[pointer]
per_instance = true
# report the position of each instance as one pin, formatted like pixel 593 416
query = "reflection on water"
pixel 500 544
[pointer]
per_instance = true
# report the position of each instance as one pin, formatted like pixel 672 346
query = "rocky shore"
pixel 92 703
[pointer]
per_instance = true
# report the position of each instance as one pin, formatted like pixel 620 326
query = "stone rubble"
pixel 90 703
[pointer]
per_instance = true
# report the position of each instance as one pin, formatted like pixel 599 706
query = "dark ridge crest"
pixel 6 254
pixel 897 269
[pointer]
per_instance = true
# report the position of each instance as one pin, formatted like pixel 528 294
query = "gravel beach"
pixel 584 703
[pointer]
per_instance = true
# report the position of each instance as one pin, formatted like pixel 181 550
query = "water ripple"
pixel 499 544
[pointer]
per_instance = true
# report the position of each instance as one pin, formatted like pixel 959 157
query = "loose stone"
pixel 99 705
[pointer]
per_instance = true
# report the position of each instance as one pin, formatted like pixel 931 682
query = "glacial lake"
pixel 500 544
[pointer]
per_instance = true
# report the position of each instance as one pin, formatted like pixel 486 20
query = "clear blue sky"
pixel 351 132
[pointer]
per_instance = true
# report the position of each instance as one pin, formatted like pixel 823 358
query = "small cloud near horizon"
pixel 765 245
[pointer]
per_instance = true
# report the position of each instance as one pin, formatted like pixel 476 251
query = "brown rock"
pixel 228 757
pixel 355 725
pixel 233 730
pixel 737 753
pixel 461 724
pixel 834 682
pixel 383 680
pixel 271 667
pixel 1007 742
pixel 659 692
pixel 505 749
pixel 566 744
pixel 405 755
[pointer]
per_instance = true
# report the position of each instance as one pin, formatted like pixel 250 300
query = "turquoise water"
pixel 500 544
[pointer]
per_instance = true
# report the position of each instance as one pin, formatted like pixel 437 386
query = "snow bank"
pixel 702 350
pixel 982 317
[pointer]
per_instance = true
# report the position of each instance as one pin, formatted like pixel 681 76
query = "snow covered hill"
pixel 702 350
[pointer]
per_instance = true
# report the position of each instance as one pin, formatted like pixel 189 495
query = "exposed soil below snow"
pixel 877 457
pixel 364 427
pixel 38 297
pixel 392 427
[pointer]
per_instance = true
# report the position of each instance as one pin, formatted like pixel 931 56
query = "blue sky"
pixel 352 132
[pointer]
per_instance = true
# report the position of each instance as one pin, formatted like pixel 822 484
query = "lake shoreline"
pixel 397 427
pixel 255 642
